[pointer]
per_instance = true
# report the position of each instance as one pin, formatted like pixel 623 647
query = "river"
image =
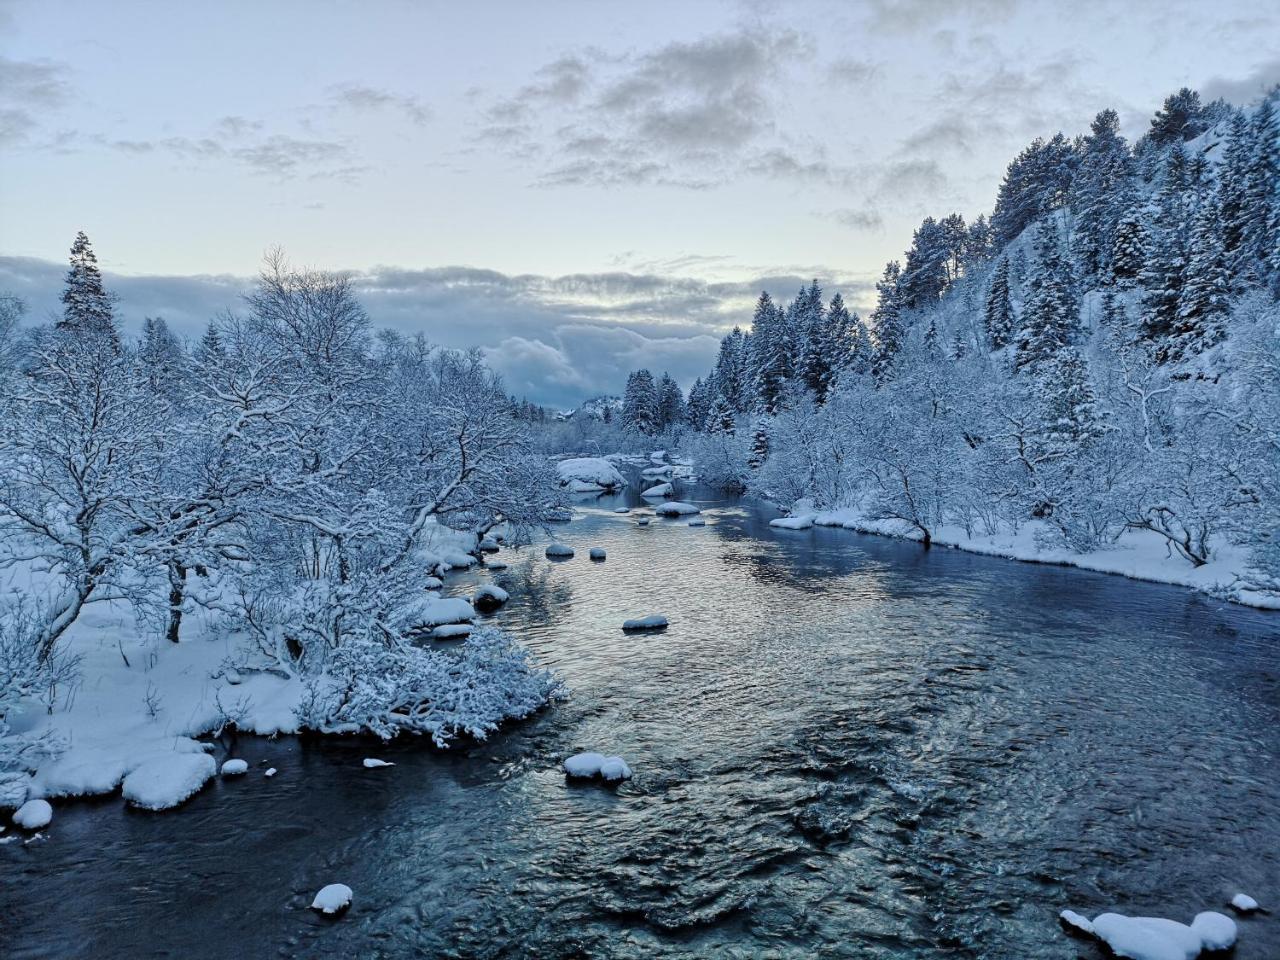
pixel 843 746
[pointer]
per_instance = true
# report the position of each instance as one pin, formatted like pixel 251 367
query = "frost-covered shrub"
pixel 387 689
pixel 722 459
pixel 22 679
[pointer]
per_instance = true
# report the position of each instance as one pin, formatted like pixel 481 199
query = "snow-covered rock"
pixel 271 772
pixel 586 766
pixel 165 782
pixel 614 769
pixel 332 899
pixel 559 551
pixel 697 523
pixel 489 597
pixel 371 763
pixel 588 474
pixel 1217 931
pixel 621 509
pixel 33 814
pixel 792 523
pixel 652 473
pixel 1243 903
pixel 434 611
pixel 433 583
pixel 458 560
pixel 452 631
pixel 597 553
pixel 234 768
pixel 1147 938
pixel 652 622
pixel 496 565
pixel 658 456
pixel 676 508
pixel 1073 921
pixel 642 522
pixel 489 545
pixel 658 491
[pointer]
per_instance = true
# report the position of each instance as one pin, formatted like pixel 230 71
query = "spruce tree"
pixel 1069 410
pixel 640 402
pixel 87 307
pixel 670 405
pixel 1203 304
pixel 886 321
pixel 1051 314
pixel 998 315
pixel 1167 253
pixel 771 353
pixel 1100 194
pixel 1129 249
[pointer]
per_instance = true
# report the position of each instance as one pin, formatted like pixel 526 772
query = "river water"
pixel 843 746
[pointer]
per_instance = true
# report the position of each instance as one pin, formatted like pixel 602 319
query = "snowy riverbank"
pixel 1139 554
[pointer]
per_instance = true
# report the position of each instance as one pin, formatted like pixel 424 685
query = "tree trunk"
pixel 177 596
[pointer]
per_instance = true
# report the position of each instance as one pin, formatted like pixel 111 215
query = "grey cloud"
pixel 950 134
pixel 276 155
pixel 557 340
pixel 1263 78
pixel 367 99
pixel 913 176
pixel 28 88
pixel 861 219
pixel 853 73
pixel 911 15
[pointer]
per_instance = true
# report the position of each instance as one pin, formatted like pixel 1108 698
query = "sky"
pixel 578 188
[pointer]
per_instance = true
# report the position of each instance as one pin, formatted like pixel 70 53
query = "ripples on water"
pixel 843 745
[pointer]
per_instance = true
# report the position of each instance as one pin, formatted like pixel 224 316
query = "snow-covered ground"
pixel 1139 554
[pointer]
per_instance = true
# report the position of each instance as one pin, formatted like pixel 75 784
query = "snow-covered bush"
pixel 23 681
pixel 722 459
pixel 388 689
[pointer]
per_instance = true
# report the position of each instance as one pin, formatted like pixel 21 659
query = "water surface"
pixel 843 746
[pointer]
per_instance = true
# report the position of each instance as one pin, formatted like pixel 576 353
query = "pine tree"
pixel 1167 254
pixel 720 418
pixel 821 342
pixel 1129 250
pixel 640 402
pixel 162 359
pixel 1259 239
pixel 670 404
pixel 771 353
pixel 1180 119
pixel 210 350
pixel 1036 182
pixel 1051 314
pixel 924 276
pixel 1100 194
pixel 87 307
pixel 886 321
pixel 1233 188
pixel 698 404
pixel 1203 304
pixel 998 315
pixel 1069 410
pixel 979 244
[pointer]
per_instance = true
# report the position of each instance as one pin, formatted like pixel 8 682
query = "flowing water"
pixel 843 746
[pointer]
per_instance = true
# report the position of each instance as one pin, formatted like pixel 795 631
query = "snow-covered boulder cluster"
pixel 589 766
pixel 589 475
pixel 1155 938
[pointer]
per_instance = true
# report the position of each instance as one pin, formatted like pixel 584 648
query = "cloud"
pixel 557 340
pixel 853 73
pixel 862 219
pixel 371 99
pixel 236 139
pixel 911 15
pixel 949 134
pixel 29 88
pixel 690 114
pixel 1244 90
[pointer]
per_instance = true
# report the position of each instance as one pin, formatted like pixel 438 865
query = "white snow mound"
pixel 436 611
pixel 1147 938
pixel 1217 931
pixel 33 814
pixel 371 763
pixel 452 631
pixel 588 765
pixel 659 490
pixel 331 899
pixel 792 523
pixel 1076 922
pixel 1244 903
pixel 585 474
pixel 234 768
pixel 614 769
pixel 165 782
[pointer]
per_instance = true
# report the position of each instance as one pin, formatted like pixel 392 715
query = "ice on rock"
pixel 586 766
pixel 489 597
pixel 659 490
pixel 559 551
pixel 234 768
pixel 371 763
pixel 167 781
pixel 676 508
pixel 1147 938
pixel 588 474
pixel 33 815
pixel 652 622
pixel 792 523
pixel 1217 931
pixel 1244 903
pixel 332 899
pixel 1073 921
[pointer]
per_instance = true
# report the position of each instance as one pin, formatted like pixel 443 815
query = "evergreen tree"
pixel 924 276
pixel 1051 314
pixel 1129 249
pixel 720 418
pixel 998 315
pixel 886 321
pixel 1036 182
pixel 698 405
pixel 1069 410
pixel 1233 192
pixel 1179 120
pixel 822 341
pixel 162 359
pixel 640 402
pixel 87 307
pixel 1167 254
pixel 1100 194
pixel 771 351
pixel 979 243
pixel 670 404
pixel 1258 242
pixel 1203 303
